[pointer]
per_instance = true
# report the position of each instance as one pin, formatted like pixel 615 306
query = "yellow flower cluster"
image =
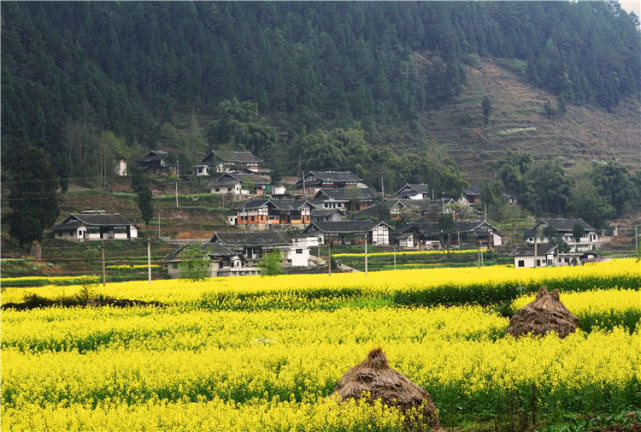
pixel 376 283
pixel 594 302
pixel 430 252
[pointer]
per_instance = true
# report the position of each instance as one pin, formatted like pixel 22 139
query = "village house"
pixel 349 199
pixel 154 161
pixel 239 184
pixel 228 161
pixel 415 209
pixel 589 240
pixel 95 225
pixel 347 232
pixel 327 215
pixel 472 195
pixel 222 261
pixel 253 246
pixel 263 212
pixel 315 180
pixel 479 233
pixel 546 255
pixel 413 191
pixel 405 240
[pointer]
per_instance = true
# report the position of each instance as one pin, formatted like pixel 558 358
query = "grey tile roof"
pixel 336 176
pixel 326 212
pixel 345 194
pixel 249 239
pixel 432 228
pixel 288 204
pixel 154 155
pixel 472 191
pixel 344 227
pixel 101 219
pixel 232 156
pixel 561 225
pixel 416 187
pixel 542 249
pixel 252 204
pixel 208 249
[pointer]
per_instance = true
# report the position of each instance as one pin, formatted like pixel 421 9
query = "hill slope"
pixel 518 123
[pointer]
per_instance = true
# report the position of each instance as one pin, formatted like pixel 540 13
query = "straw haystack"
pixel 375 377
pixel 545 314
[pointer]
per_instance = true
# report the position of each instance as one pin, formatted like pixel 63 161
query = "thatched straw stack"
pixel 376 378
pixel 545 314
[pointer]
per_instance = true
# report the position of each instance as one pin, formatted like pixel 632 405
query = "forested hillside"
pixel 127 74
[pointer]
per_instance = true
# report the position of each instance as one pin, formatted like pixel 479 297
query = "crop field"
pixel 252 353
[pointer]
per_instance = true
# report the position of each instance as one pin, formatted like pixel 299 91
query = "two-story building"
pixel 272 212
pixel 589 241
pixel 478 233
pixel 346 199
pixel 315 180
pixel 239 184
pixel 351 232
pixel 253 246
pixel 95 225
pixel 413 191
pixel 228 161
pixel 221 260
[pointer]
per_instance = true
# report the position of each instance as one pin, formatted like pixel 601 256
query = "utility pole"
pixel 304 190
pixel 149 261
pixel 485 212
pixel 104 276
pixel 383 186
pixel 636 239
pixel 394 257
pixel 365 255
pixel 158 223
pixel 329 257
pixel 458 234
pixel 177 168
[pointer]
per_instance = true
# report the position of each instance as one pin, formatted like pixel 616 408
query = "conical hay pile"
pixel 545 314
pixel 375 377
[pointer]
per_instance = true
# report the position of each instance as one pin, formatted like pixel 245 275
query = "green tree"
pixel 556 238
pixel 592 208
pixel 271 264
pixel 578 230
pixel 486 105
pixel 613 182
pixel 143 195
pixel 446 226
pixel 194 263
pixel 32 192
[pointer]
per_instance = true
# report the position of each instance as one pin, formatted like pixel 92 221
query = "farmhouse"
pixel 329 215
pixel 413 191
pixel 315 180
pixel 351 231
pixel 472 195
pixel 155 160
pixel 239 184
pixel 228 161
pixel 273 211
pixel 222 261
pixel 547 254
pixel 565 227
pixel 479 233
pixel 95 225
pixel 254 245
pixel 348 199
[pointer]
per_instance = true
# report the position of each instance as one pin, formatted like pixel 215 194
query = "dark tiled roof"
pixel 251 204
pixel 472 191
pixel 345 194
pixel 287 204
pixel 100 219
pixel 344 227
pixel 154 155
pixel 65 227
pixel 254 178
pixel 542 249
pixel 224 180
pixel 232 156
pixel 209 249
pixel 336 176
pixel 432 228
pixel 326 212
pixel 561 225
pixel 250 239
pixel 421 188
pixel 425 204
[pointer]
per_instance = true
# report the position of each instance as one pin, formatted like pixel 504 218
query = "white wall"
pixel 380 235
pixel 298 256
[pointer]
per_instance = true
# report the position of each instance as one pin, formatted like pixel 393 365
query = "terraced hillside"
pixel 518 123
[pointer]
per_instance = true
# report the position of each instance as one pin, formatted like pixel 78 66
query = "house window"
pixel 299 251
pixel 253 218
pixel 217 189
pixel 538 263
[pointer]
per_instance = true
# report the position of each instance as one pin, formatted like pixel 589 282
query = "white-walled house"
pixel 348 231
pixel 232 183
pixel 546 255
pixel 221 261
pixel 95 225
pixel 228 161
pixel 414 191
pixel 565 227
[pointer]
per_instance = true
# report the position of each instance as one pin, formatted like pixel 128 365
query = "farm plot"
pixel 189 366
